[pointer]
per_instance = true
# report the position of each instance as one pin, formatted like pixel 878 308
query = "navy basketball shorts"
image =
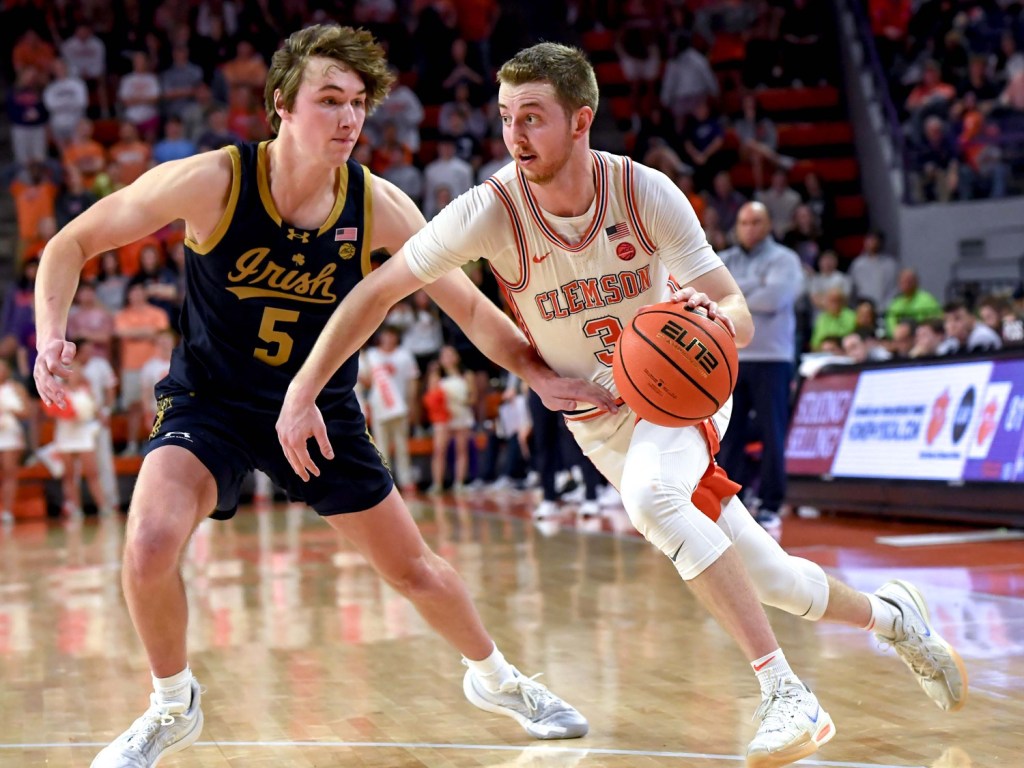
pixel 231 442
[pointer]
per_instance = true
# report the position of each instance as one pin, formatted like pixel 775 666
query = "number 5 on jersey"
pixel 280 343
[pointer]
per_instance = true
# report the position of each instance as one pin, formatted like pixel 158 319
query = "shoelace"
pixel 919 656
pixel 774 718
pixel 535 695
pixel 146 726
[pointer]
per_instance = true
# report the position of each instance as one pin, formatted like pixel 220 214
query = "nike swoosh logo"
pixel 539 259
pixel 815 718
pixel 673 558
pixel 769 660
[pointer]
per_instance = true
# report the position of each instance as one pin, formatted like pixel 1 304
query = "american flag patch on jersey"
pixel 346 233
pixel 617 231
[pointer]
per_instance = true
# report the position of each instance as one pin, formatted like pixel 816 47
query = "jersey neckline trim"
pixel 263 182
pixel 601 182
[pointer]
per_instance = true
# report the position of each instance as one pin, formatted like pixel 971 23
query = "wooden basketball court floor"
pixel 309 660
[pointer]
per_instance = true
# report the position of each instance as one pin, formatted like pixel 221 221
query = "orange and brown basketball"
pixel 675 366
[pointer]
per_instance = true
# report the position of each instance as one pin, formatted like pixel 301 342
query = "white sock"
pixel 770 668
pixel 493 671
pixel 176 689
pixel 884 617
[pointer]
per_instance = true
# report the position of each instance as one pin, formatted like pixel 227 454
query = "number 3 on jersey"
pixel 270 333
pixel 606 330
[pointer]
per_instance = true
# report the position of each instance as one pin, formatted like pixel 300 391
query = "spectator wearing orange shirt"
pixel 32 51
pixel 129 256
pixel 684 180
pixel 137 327
pixel 247 69
pixel 132 155
pixel 889 22
pixel 85 154
pixel 35 196
pixel 929 97
pixel 476 23
pixel 245 117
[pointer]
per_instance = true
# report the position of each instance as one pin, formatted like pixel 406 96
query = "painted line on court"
pixel 532 749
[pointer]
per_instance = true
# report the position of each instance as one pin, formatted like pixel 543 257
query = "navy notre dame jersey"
pixel 260 291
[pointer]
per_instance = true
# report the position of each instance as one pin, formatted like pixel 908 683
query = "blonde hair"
pixel 355 49
pixel 567 69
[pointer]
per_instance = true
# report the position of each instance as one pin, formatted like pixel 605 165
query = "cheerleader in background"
pixel 460 397
pixel 13 406
pixel 77 427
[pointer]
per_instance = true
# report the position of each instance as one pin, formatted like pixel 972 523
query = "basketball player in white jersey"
pixel 580 240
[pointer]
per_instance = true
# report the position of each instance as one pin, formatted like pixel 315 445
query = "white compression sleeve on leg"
pixel 790 583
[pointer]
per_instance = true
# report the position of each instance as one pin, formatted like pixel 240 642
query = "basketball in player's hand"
pixel 674 366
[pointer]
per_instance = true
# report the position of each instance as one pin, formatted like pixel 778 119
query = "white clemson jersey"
pixel 572 283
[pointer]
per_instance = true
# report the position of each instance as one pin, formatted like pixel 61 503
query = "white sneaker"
pixel 609 498
pixel 6 518
pixel 532 705
pixel 793 726
pixel 935 663
pixel 162 730
pixel 590 508
pixel 545 510
pixel 576 495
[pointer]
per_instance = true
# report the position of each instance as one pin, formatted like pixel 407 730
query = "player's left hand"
pixel 300 420
pixel 564 394
pixel 694 298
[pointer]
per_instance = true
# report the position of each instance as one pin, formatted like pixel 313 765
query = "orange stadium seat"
pixel 850 206
pixel 795 99
pixel 810 134
pixel 850 246
pixel 598 40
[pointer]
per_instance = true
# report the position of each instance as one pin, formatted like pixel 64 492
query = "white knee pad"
pixel 792 584
pixel 656 494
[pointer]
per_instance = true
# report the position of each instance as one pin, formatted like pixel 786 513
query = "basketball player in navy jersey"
pixel 580 240
pixel 277 234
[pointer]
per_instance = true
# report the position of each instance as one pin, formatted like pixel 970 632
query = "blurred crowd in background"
pixel 101 91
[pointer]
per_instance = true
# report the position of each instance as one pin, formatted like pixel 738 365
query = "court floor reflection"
pixel 310 659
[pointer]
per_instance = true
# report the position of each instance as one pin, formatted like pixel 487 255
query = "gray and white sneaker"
pixel 792 726
pixel 162 730
pixel 935 663
pixel 543 714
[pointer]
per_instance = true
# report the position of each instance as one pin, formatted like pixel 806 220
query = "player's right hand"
pixel 559 393
pixel 299 421
pixel 53 366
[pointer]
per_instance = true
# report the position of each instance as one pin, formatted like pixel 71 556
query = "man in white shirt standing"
pixel 874 273
pixel 86 56
pixel 446 171
pixel 66 99
pixel 390 375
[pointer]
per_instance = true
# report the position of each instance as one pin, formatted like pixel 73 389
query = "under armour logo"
pixel 296 235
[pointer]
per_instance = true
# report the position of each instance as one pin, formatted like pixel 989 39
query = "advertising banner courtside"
pixel 952 422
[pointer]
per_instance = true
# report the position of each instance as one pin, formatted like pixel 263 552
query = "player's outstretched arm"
pixel 193 189
pixel 494 334
pixel 356 318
